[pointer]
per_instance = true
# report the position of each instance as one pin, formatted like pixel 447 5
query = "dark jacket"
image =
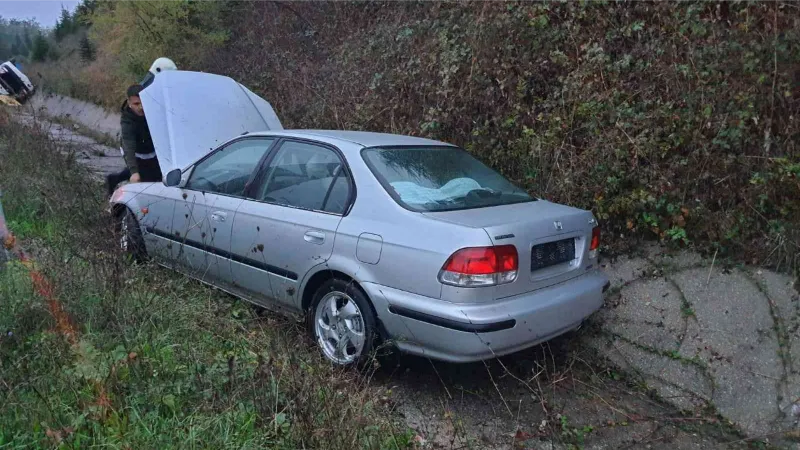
pixel 135 137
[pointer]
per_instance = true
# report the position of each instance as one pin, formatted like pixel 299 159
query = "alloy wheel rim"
pixel 339 327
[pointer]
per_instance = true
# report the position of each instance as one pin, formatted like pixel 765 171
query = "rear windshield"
pixel 431 179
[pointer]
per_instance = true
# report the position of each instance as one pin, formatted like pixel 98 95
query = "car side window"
pixel 308 176
pixel 227 170
pixel 339 194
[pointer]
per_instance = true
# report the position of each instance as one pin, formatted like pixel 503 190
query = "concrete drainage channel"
pixel 85 114
pixel 707 338
pixel 77 125
pixel 717 348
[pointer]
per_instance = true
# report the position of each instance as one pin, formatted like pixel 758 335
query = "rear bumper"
pixel 472 332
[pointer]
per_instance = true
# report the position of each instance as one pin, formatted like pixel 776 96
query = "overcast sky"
pixel 46 12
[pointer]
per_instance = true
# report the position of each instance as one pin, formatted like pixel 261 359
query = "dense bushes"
pixel 672 121
pixel 675 121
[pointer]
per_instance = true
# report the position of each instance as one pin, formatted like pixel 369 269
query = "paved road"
pixel 685 354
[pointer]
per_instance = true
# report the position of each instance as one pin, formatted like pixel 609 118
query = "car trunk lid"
pixel 552 240
pixel 191 113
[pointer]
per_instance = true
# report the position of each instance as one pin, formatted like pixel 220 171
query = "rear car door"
pixel 203 220
pixel 288 224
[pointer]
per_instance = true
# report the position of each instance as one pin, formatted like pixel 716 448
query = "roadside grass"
pixel 157 360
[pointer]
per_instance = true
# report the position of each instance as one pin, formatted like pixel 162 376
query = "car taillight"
pixel 595 245
pixel 481 266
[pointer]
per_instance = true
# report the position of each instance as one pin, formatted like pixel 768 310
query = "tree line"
pixel 27 40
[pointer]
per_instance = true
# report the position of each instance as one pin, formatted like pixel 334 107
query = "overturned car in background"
pixel 14 83
pixel 368 237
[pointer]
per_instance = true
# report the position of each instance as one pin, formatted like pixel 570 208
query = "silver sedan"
pixel 372 237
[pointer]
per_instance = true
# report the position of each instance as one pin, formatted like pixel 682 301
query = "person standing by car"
pixel 112 180
pixel 137 145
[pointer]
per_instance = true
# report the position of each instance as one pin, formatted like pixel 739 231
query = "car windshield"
pixel 431 179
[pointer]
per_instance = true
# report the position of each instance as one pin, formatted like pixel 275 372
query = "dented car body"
pixel 368 236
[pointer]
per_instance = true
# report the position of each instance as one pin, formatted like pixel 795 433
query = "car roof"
pixel 363 138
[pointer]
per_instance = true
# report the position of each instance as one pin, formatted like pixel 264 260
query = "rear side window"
pixel 338 195
pixel 307 176
pixel 227 170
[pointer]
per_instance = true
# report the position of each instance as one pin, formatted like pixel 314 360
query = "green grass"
pixel 159 361
pixel 23 224
pixel 178 366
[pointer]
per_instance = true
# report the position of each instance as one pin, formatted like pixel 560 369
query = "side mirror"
pixel 173 178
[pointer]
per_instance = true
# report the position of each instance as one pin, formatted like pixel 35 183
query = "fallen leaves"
pixel 679 221
pixel 521 436
pixel 9 242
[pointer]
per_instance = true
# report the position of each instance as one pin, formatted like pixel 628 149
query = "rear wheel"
pixel 129 236
pixel 342 323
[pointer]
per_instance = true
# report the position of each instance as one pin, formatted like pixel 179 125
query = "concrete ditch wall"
pixel 86 114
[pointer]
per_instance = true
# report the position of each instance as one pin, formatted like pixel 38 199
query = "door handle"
pixel 314 237
pixel 219 216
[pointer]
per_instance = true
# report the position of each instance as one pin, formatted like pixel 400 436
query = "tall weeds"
pixel 157 361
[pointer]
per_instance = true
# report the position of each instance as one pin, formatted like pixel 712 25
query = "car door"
pixel 156 210
pixel 202 224
pixel 288 224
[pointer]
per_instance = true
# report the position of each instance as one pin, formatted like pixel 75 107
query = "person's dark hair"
pixel 134 90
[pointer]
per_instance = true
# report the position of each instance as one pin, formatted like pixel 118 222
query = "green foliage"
pixel 40 49
pixel 16 37
pixel 673 122
pixel 140 32
pixel 84 11
pixel 87 49
pixel 654 116
pixel 66 25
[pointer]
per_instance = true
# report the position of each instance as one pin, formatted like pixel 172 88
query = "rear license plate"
pixel 552 253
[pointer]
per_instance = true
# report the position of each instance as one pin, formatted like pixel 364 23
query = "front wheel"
pixel 130 236
pixel 342 323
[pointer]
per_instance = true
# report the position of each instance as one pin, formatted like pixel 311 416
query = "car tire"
pixel 129 236
pixel 342 323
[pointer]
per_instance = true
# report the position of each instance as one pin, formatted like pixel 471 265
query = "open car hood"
pixel 191 113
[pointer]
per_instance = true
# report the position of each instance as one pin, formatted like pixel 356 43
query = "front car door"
pixel 288 224
pixel 203 218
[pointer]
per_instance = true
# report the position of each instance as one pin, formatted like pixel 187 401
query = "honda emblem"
pixel 558 225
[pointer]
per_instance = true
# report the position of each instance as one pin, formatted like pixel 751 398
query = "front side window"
pixel 227 170
pixel 431 179
pixel 307 176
